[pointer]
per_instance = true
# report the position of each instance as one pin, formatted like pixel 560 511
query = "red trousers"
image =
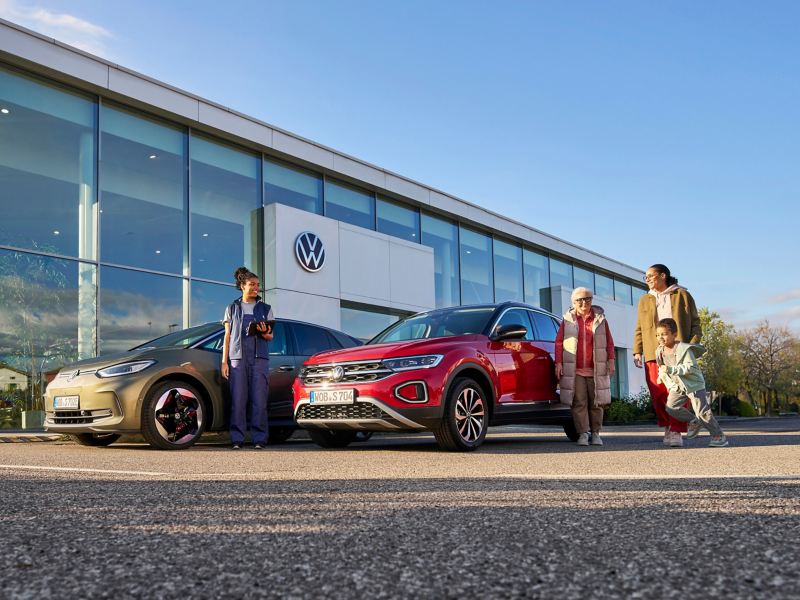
pixel 659 393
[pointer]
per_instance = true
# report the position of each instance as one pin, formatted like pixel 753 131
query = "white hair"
pixel 580 292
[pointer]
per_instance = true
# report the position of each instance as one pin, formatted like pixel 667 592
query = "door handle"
pixel 286 368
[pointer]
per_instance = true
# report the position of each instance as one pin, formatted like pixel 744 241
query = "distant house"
pixel 12 379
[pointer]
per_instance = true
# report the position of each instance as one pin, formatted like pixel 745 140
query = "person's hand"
pixel 261 327
pixel 559 370
pixel 662 370
pixel 611 371
pixel 224 370
pixel 637 360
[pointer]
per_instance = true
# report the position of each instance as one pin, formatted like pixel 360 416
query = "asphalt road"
pixel 528 515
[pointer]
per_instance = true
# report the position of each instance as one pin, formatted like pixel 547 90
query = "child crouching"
pixel 679 371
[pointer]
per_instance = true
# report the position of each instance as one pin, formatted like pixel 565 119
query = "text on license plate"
pixel 332 397
pixel 66 402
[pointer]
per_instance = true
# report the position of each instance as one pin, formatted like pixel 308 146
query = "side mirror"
pixel 510 332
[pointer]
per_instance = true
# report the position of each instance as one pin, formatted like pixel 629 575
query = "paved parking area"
pixel 528 515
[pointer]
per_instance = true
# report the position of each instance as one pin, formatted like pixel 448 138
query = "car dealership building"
pixel 127 205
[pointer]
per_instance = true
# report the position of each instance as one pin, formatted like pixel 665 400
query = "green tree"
pixel 721 363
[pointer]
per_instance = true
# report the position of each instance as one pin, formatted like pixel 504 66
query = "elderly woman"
pixel 585 365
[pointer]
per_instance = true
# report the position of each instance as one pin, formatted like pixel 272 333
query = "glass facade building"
pixel 122 224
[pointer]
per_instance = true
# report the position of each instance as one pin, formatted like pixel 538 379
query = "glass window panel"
pixel 365 324
pixel 47 321
pixel 209 301
pixel 536 273
pixel 622 292
pixel 546 328
pixel 604 286
pixel 135 307
pixel 583 278
pixel 47 167
pixel 619 381
pixel 349 204
pixel 278 345
pixel 636 294
pixel 292 186
pixel 560 273
pixel 142 192
pixel 225 202
pixel 477 285
pixel 516 316
pixel 442 236
pixel 398 220
pixel 311 340
pixel 507 272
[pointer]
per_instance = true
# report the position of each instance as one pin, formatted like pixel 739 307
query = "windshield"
pixel 440 323
pixel 183 338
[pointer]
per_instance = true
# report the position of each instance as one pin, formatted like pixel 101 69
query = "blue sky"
pixel 648 132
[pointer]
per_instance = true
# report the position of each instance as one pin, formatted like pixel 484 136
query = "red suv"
pixel 452 371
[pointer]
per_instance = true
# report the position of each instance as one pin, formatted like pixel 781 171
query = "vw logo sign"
pixel 310 251
pixel 337 373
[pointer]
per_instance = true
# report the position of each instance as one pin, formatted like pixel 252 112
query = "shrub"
pixel 620 411
pixel 745 409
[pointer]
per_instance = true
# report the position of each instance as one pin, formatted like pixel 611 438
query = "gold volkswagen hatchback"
pixel 170 389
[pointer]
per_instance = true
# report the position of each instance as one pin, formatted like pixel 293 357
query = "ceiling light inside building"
pixel 153 156
pixel 5 111
pixel 158 251
pixel 56 232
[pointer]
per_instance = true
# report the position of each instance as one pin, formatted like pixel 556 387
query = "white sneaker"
pixel 596 439
pixel 667 436
pixel 694 429
pixel 676 440
pixel 583 439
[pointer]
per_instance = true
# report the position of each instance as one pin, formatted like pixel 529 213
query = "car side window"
pixel 214 344
pixel 311 340
pixel 278 345
pixel 515 316
pixel 546 329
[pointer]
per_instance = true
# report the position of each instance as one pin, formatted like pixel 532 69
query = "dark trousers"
pixel 249 383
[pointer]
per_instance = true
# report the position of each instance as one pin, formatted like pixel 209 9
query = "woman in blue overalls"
pixel 248 371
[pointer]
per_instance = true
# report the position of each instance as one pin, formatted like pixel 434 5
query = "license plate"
pixel 66 402
pixel 332 397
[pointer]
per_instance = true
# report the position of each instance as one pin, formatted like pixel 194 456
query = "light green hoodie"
pixel 686 376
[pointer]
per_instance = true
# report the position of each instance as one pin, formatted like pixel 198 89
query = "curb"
pixel 17 438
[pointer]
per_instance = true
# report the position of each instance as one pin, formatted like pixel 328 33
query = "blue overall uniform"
pixel 249 374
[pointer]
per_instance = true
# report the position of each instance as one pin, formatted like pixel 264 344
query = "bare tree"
pixel 768 357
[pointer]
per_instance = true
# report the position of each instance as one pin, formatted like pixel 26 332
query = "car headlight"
pixel 408 363
pixel 127 368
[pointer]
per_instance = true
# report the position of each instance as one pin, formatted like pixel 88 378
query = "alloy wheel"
pixel 470 414
pixel 178 415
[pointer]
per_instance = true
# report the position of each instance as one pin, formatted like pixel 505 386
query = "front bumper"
pixel 365 414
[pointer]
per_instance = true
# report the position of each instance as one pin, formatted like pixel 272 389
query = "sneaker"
pixel 718 442
pixel 694 429
pixel 596 439
pixel 583 439
pixel 236 447
pixel 667 436
pixel 258 447
pixel 676 439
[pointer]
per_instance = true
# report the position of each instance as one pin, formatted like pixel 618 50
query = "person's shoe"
pixel 694 429
pixel 676 439
pixel 718 442
pixel 596 439
pixel 583 439
pixel 236 447
pixel 667 436
pixel 258 447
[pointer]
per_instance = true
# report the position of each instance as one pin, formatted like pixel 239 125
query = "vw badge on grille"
pixel 310 251
pixel 337 374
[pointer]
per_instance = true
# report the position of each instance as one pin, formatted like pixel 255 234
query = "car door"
pixel 282 370
pixel 514 360
pixel 544 380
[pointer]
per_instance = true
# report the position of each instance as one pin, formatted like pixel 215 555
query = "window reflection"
pixel 507 271
pixel 365 324
pixel 209 301
pixel 476 267
pixel 560 273
pixel 292 186
pixel 536 273
pixel 224 205
pixel 604 286
pixel 442 236
pixel 583 278
pixel 142 178
pixel 622 292
pixel 135 307
pixel 398 220
pixel 47 167
pixel 636 294
pixel 350 204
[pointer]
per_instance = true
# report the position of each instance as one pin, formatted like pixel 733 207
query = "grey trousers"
pixel 676 406
pixel 586 415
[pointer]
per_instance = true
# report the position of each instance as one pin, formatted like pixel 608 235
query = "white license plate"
pixel 66 402
pixel 332 397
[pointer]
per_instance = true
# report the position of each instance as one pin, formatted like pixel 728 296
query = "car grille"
pixel 357 372
pixel 361 410
pixel 78 417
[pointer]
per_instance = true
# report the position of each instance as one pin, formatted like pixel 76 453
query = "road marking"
pixel 79 470
pixel 659 476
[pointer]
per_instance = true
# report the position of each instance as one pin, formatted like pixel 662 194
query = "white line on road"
pixel 79 470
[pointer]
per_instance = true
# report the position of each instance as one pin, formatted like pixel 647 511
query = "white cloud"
pixel 64 27
pixel 785 297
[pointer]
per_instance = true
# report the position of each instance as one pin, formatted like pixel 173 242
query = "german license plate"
pixel 332 397
pixel 72 402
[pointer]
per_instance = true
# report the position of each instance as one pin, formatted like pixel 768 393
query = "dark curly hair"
pixel 659 268
pixel 241 275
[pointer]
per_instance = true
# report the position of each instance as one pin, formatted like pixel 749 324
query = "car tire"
pixel 332 439
pixel 278 435
pixel 466 417
pixel 95 439
pixel 173 415
pixel 571 430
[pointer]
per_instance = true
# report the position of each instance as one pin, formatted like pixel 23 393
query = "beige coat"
pixel 602 362
pixel 684 312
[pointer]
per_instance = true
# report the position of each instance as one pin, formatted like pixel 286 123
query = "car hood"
pixel 111 359
pixel 394 349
